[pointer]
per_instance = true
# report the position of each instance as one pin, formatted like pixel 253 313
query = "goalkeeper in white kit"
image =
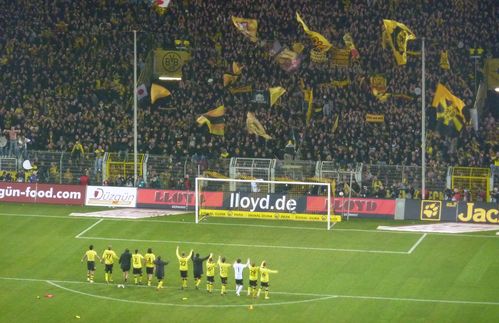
pixel 238 272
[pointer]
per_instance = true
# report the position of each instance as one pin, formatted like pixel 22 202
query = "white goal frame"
pixel 232 180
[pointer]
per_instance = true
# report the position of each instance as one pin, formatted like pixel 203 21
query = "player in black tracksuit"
pixel 125 262
pixel 160 271
pixel 197 262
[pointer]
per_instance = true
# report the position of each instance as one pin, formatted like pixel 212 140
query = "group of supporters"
pixel 154 265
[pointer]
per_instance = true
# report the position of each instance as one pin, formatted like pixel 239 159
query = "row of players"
pixel 154 265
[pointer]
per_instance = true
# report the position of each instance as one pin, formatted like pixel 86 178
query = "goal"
pixel 247 198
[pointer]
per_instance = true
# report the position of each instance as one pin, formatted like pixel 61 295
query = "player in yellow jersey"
pixel 149 258
pixel 183 261
pixel 137 262
pixel 223 267
pixel 108 257
pixel 210 274
pixel 90 255
pixel 253 279
pixel 264 279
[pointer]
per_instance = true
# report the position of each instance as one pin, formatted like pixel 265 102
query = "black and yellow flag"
pixel 255 127
pixel 310 108
pixel 444 60
pixel 236 68
pixel 336 123
pixel 168 64
pixel 347 38
pixel 378 87
pixel 492 73
pixel 215 120
pixel 248 27
pixel 397 35
pixel 158 92
pixel 229 79
pixel 275 93
pixel 449 107
pixel 320 42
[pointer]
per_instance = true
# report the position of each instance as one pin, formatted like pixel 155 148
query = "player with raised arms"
pixel 253 279
pixel 183 262
pixel 264 279
pixel 224 273
pixel 197 264
pixel 210 273
pixel 238 273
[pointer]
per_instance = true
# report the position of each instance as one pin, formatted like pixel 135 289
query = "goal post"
pixel 246 198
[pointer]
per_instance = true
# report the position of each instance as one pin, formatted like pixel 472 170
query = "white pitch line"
pixel 256 225
pixel 246 245
pixel 417 243
pixel 320 296
pixel 88 229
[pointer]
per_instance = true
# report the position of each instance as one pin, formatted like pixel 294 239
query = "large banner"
pixel 42 193
pixel 449 211
pixel 174 199
pixel 111 196
pixel 361 207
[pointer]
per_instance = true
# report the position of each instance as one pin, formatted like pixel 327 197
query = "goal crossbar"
pixel 328 207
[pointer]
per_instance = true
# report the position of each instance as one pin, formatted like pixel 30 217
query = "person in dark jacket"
pixel 197 262
pixel 125 262
pixel 160 271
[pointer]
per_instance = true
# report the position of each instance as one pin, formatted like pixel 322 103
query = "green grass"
pixel 350 274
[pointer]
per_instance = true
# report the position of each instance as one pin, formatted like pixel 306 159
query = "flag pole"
pixel 423 121
pixel 135 178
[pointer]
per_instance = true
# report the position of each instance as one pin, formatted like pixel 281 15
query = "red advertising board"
pixel 42 193
pixel 173 199
pixel 360 206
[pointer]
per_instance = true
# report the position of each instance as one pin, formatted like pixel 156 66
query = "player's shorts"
pixel 91 265
pixel 239 282
pixel 253 283
pixel 210 279
pixel 137 271
pixel 149 270
pixel 109 269
pixel 125 268
pixel 263 284
pixel 183 273
pixel 224 280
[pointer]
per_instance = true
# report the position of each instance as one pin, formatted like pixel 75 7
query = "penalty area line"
pixel 417 243
pixel 247 245
pixel 88 229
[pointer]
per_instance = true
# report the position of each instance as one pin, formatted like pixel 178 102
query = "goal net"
pixel 264 199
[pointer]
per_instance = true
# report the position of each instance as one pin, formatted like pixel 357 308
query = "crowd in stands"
pixel 66 73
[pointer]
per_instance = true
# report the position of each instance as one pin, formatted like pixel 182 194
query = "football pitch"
pixel 353 273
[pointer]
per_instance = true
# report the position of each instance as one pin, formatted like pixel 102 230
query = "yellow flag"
pixel 168 64
pixel 236 68
pixel 320 42
pixel 449 107
pixel 335 124
pixel 229 79
pixel 444 60
pixel 255 127
pixel 158 92
pixel 310 109
pixel 248 27
pixel 397 35
pixel 275 93
pixel 347 38
pixel 215 120
pixel 375 118
pixel 492 73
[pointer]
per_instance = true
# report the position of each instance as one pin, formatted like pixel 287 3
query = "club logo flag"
pixel 248 27
pixel 340 57
pixel 492 73
pixel 215 120
pixel 347 38
pixel 449 107
pixel 158 92
pixel 378 87
pixel 255 127
pixel 275 93
pixel 288 60
pixel 141 91
pixel 319 41
pixel 397 35
pixel 168 64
